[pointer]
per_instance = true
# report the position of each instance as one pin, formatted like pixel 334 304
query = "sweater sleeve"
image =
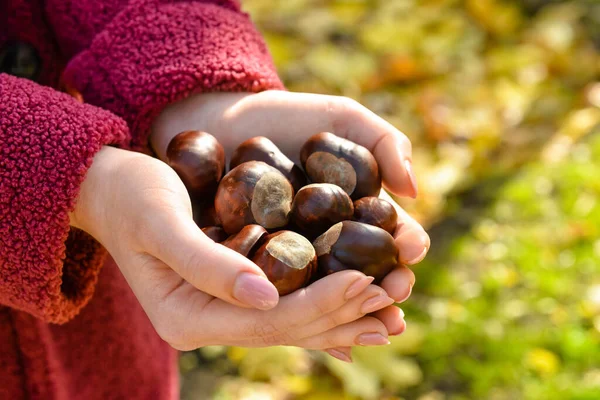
pixel 47 142
pixel 134 57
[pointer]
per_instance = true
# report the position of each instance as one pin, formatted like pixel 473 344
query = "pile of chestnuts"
pixel 297 224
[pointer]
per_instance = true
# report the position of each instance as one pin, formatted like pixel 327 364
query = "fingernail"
pixel 399 330
pixel 340 355
pixel 376 303
pixel 411 177
pixel 418 258
pixel 255 291
pixel 413 244
pixel 358 286
pixel 410 286
pixel 371 339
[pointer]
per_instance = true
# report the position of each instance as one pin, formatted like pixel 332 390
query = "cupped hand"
pixel 289 119
pixel 199 293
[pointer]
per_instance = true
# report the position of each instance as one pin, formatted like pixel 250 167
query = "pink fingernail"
pixel 411 177
pixel 418 258
pixel 358 286
pixel 255 291
pixel 376 303
pixel 399 330
pixel 340 355
pixel 413 244
pixel 372 339
pixel 400 300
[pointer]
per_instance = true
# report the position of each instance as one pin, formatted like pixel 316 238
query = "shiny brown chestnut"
pixel 377 212
pixel 262 149
pixel 288 259
pixel 204 213
pixel 354 245
pixel 246 240
pixel 253 193
pixel 328 158
pixel 216 233
pixel 199 160
pixel 319 206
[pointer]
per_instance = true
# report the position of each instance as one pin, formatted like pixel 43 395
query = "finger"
pixel 411 239
pixel 341 353
pixel 374 298
pixel 367 331
pixel 393 319
pixel 209 267
pixel 301 115
pixel 222 323
pixel 399 283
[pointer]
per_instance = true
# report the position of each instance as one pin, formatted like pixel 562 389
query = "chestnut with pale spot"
pixel 328 158
pixel 262 149
pixel 288 260
pixel 377 212
pixel 199 160
pixel 253 193
pixel 246 240
pixel 354 245
pixel 319 206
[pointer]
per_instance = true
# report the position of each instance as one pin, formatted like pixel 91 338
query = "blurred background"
pixel 501 100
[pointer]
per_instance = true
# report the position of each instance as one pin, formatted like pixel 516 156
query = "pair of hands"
pixel 198 293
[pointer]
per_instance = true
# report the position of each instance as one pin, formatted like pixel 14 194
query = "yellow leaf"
pixel 542 361
pixel 297 384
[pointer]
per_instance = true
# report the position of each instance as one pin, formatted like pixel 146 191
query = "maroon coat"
pixel 70 327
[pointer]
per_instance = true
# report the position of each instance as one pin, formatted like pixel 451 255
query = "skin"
pixel 138 208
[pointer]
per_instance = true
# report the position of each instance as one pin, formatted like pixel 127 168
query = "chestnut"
pixel 377 212
pixel 246 240
pixel 204 214
pixel 328 158
pixel 288 259
pixel 253 193
pixel 199 160
pixel 216 233
pixel 318 206
pixel 354 245
pixel 262 149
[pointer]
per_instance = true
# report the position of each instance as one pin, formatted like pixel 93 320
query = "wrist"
pixel 90 211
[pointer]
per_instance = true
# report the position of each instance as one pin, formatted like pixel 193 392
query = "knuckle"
pixel 267 334
pixel 348 104
pixel 328 341
pixel 277 340
pixel 340 110
pixel 317 308
pixel 332 321
pixel 265 330
pixel 193 267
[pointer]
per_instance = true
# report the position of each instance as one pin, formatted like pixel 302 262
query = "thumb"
pixel 210 267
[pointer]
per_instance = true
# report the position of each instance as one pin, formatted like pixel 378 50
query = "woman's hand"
pixel 199 293
pixel 289 119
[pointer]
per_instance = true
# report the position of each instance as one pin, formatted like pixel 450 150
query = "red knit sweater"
pixel 70 327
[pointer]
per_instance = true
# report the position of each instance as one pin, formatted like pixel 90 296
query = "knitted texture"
pixel 157 52
pixel 47 144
